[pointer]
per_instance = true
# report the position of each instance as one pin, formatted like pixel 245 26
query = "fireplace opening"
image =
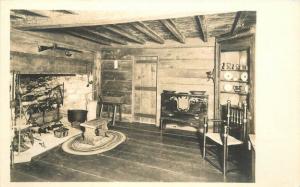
pixel 39 105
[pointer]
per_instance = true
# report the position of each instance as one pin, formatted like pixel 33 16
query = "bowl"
pixel 169 91
pixel 184 93
pixel 197 92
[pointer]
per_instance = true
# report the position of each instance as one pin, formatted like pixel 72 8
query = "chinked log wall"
pixel 118 82
pixel 180 69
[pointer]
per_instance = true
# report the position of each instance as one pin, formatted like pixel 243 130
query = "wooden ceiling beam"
pixel 140 26
pixel 18 16
pixel 106 36
pixel 235 23
pixel 203 27
pixel 88 38
pixel 120 31
pixel 14 17
pixel 64 11
pixel 239 34
pixel 29 13
pixel 170 25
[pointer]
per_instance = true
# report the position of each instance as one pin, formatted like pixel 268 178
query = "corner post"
pixel 204 137
pixel 96 71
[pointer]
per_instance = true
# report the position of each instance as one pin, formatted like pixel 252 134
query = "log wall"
pixel 180 68
pixel 118 82
pixel 26 59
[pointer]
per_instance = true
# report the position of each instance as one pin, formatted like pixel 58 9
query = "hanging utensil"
pixel 88 76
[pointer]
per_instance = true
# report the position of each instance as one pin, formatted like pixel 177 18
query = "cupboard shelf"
pixel 234 70
pixel 239 81
pixel 238 93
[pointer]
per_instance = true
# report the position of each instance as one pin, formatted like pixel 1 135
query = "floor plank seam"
pixel 72 169
pixel 84 161
pixel 137 154
pixel 168 160
pixel 156 132
pixel 153 167
pixel 172 151
pixel 155 137
pixel 167 145
pixel 26 174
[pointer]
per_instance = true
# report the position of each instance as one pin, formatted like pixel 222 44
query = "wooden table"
pixel 114 102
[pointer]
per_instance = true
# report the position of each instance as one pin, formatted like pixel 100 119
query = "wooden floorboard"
pixel 17 175
pixel 154 128
pixel 165 146
pixel 159 151
pixel 146 155
pixel 110 168
pixel 51 171
pixel 179 167
pixel 165 138
pixel 119 166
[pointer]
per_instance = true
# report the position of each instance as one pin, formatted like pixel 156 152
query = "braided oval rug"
pixel 77 146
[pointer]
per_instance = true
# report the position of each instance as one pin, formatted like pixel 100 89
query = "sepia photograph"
pixel 138 96
pixel 172 98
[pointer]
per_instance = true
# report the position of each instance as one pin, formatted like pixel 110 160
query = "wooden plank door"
pixel 145 89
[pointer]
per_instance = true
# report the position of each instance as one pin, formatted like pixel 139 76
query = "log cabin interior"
pixel 141 99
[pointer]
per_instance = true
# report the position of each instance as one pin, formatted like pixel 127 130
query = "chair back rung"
pixel 236 119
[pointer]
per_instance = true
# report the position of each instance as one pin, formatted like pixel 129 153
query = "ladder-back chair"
pixel 232 130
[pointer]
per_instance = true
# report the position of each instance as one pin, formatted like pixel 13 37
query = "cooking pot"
pixel 77 116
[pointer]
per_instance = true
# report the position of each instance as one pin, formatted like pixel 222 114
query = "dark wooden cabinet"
pixel 183 108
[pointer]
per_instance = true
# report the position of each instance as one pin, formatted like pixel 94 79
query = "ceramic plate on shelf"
pixel 228 76
pixel 244 76
pixel 227 87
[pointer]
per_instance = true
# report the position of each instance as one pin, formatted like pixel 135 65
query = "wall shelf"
pixel 234 70
pixel 239 81
pixel 238 93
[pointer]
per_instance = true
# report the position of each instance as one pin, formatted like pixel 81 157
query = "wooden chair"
pixel 233 129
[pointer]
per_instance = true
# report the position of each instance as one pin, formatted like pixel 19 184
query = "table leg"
pixel 101 108
pixel 120 112
pixel 114 115
pixel 108 110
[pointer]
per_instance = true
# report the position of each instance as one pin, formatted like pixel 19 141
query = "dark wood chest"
pixel 184 108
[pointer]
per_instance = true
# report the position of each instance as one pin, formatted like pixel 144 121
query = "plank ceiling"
pixel 139 32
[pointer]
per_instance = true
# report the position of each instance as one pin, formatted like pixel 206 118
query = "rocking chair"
pixel 233 128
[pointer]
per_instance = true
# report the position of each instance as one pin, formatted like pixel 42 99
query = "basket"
pixel 61 132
